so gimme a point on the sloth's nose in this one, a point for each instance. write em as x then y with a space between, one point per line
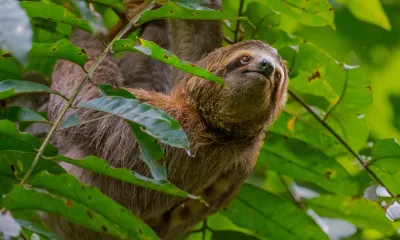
266 67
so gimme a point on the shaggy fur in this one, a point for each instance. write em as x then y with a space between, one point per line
225 126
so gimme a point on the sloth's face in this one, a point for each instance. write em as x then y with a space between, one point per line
256 82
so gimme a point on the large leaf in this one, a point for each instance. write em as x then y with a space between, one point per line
173 10
157 123
270 216
153 50
10 88
63 49
69 187
20 114
363 213
304 162
14 163
73 211
54 12
15 30
150 152
385 164
100 166
370 11
315 13
12 139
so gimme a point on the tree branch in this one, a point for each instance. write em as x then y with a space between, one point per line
339 138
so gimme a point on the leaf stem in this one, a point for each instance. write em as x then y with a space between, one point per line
339 138
79 88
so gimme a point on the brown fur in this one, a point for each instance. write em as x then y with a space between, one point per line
225 126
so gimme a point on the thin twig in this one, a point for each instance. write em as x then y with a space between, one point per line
238 21
78 89
340 139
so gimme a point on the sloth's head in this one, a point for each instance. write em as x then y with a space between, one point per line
256 81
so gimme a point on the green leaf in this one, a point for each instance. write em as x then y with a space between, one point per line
231 235
315 13
9 68
20 114
150 152
172 10
114 4
69 187
16 32
72 120
157 123
153 50
6 184
363 213
385 164
292 126
14 163
63 49
95 22
73 211
54 12
12 139
270 216
100 166
31 222
10 88
108 90
369 11
304 162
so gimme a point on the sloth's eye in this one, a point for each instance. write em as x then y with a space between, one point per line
277 75
245 60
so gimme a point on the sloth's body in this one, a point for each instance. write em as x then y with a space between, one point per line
225 126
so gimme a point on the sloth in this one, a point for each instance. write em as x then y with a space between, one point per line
225 125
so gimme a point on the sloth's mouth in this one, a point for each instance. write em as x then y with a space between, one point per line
259 73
